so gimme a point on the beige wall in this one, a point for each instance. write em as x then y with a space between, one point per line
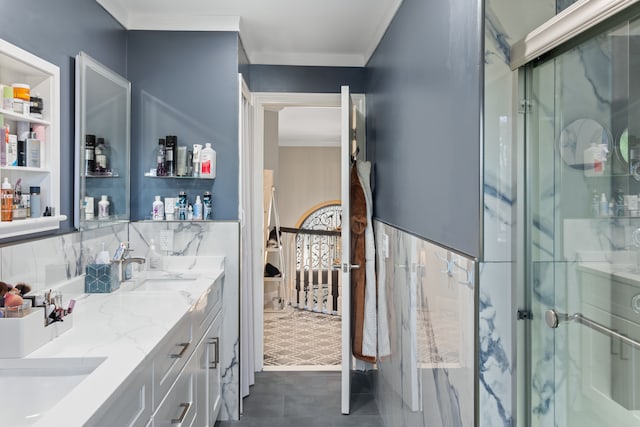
307 176
271 141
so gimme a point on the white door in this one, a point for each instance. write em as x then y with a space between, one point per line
345 158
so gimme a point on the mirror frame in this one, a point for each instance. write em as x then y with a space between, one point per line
83 64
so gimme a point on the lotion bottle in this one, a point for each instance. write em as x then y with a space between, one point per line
7 200
604 206
208 162
103 207
158 209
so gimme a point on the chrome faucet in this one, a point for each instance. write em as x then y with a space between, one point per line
122 265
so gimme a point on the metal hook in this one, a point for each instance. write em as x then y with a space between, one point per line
450 264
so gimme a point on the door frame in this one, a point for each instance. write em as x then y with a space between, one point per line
275 101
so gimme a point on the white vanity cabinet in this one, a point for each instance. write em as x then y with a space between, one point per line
178 383
20 66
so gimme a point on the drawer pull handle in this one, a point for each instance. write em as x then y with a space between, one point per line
214 363
185 346
185 408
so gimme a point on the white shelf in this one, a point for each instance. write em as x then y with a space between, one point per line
30 225
19 66
22 118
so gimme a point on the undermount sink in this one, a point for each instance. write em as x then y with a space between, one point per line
159 281
31 387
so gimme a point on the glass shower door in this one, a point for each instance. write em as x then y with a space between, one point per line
583 231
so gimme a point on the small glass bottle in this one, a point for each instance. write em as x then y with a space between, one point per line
89 154
171 143
161 159
101 156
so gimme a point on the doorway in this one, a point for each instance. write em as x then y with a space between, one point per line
302 150
264 103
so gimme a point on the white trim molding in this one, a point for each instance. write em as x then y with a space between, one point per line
571 22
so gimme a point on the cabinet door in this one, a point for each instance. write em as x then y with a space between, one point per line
132 406
179 406
214 389
201 357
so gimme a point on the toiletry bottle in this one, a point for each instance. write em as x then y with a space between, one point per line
169 208
161 159
101 156
103 207
7 200
22 152
12 150
208 162
5 144
36 207
158 209
154 259
190 213
207 207
181 169
171 142
197 148
595 204
182 206
88 208
197 209
89 154
619 203
33 151
604 206
189 163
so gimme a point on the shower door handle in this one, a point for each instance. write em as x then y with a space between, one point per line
554 318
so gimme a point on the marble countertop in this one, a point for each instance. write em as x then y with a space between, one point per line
123 327
626 273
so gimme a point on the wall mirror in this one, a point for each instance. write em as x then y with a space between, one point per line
102 137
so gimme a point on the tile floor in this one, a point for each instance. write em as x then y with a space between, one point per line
308 399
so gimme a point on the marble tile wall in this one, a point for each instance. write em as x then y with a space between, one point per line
200 239
506 22
429 377
43 263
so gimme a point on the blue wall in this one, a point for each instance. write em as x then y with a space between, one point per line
285 78
424 91
56 31
184 84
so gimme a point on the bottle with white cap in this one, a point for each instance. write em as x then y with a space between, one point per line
158 209
197 209
207 162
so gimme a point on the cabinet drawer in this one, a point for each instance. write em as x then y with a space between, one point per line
207 307
170 357
179 405
132 404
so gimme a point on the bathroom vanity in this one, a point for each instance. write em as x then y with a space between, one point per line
146 354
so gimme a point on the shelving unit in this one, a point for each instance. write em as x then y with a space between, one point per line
20 66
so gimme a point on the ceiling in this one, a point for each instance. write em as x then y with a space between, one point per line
280 32
309 127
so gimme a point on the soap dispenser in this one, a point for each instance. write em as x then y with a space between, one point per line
154 259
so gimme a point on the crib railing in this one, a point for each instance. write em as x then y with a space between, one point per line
314 282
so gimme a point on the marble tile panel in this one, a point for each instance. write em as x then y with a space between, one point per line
42 263
428 378
497 347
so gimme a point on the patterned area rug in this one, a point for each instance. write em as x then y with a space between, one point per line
298 337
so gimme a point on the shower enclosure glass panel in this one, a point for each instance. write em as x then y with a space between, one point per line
583 231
